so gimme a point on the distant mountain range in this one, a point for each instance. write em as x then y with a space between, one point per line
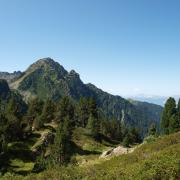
48 79
160 100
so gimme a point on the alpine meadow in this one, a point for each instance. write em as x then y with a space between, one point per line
89 90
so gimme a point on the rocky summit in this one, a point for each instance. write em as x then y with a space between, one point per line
47 79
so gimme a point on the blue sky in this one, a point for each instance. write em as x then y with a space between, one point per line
126 47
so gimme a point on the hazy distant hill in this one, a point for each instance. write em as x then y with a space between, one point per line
160 100
48 79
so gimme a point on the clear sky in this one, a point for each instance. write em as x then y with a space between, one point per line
125 47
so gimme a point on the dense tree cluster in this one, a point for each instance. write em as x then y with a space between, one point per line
11 126
17 125
170 121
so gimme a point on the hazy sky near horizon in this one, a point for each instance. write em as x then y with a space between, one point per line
125 47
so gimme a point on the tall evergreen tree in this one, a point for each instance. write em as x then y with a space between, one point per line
178 115
126 141
94 120
134 135
61 147
94 126
168 112
83 111
93 109
65 109
152 130
48 111
34 113
3 130
13 114
173 123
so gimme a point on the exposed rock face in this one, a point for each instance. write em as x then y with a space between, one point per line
45 139
9 77
120 150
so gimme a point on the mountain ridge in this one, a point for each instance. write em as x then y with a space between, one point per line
48 79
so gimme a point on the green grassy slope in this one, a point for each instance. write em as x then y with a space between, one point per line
155 160
85 149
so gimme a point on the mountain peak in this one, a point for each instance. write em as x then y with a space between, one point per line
44 62
47 64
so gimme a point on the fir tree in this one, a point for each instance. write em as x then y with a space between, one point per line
34 113
83 111
92 106
152 130
66 109
61 147
48 111
168 112
94 126
134 136
178 115
173 124
126 140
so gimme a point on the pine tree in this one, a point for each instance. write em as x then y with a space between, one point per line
83 111
66 109
152 130
48 111
173 124
168 112
3 132
134 135
92 106
61 148
126 140
13 115
94 126
178 115
34 113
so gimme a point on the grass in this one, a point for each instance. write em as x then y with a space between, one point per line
155 160
21 167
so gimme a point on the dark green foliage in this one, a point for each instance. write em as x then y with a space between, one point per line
94 126
35 107
173 124
34 113
61 147
134 135
65 109
178 115
14 116
170 117
83 111
4 89
48 111
3 130
127 140
112 128
93 121
152 130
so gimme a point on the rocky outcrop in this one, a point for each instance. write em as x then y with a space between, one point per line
9 77
120 150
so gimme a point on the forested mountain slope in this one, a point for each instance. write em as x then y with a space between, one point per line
48 79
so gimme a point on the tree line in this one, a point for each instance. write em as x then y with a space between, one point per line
170 122
16 124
